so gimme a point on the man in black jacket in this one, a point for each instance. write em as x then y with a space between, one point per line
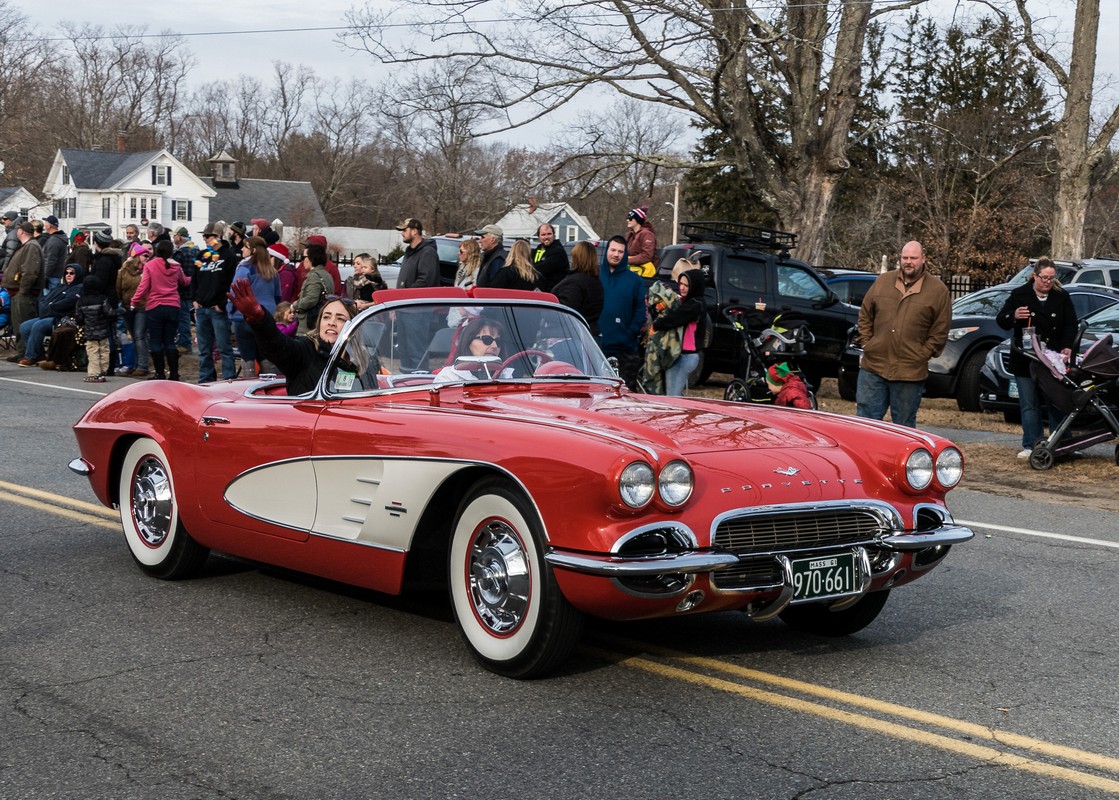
213 274
55 248
419 269
549 257
490 239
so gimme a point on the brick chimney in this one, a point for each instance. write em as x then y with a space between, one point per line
122 142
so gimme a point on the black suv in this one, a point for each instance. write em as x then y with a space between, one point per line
745 265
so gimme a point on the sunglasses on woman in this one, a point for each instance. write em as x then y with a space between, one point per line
487 340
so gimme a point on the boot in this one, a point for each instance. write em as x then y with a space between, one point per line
157 361
172 363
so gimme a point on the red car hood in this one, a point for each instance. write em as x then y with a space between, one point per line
686 426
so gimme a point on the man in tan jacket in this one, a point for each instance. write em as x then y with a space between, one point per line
903 322
23 278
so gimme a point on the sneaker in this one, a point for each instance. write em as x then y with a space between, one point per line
124 371
94 378
14 359
27 362
1024 452
137 373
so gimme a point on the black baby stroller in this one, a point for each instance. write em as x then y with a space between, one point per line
767 339
1086 394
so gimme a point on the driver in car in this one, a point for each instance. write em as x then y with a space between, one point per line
477 353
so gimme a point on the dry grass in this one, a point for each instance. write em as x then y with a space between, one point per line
992 467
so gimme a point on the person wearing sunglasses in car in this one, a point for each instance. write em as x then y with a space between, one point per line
477 353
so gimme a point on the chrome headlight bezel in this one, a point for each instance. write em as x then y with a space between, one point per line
919 469
637 484
675 483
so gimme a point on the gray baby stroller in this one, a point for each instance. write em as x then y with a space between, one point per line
1087 394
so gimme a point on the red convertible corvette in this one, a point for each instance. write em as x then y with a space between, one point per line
485 440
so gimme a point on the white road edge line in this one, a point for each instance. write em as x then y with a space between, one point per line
1042 534
52 386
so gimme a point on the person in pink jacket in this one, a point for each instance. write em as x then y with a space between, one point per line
159 291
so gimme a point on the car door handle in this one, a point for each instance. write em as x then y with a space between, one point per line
215 421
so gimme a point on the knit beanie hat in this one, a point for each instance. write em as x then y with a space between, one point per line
640 214
778 374
103 238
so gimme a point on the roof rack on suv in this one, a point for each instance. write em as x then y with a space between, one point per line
736 234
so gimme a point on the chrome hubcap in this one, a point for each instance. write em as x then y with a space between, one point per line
152 502
500 582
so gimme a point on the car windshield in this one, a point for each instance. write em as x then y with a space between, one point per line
1106 320
984 303
415 344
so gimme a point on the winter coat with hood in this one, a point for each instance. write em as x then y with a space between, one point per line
623 308
690 315
63 299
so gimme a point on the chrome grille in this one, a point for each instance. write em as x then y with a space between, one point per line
1004 357
798 530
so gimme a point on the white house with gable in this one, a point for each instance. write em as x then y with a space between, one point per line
523 220
90 187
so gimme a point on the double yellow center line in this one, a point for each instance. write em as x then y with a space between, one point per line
887 719
77 510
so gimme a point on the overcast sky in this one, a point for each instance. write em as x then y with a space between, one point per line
295 41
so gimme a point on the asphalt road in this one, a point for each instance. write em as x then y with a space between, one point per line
993 677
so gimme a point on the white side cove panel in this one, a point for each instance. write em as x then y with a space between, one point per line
376 501
282 493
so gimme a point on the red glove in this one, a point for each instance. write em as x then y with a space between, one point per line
241 293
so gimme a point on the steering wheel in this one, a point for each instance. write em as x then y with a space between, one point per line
544 356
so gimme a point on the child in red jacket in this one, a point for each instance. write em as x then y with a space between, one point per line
788 386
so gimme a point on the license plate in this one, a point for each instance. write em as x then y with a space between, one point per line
823 576
1012 389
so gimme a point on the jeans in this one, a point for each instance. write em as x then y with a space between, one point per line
246 344
676 378
33 331
874 394
183 339
1031 401
163 324
137 324
213 330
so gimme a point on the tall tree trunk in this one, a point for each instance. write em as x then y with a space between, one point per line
1076 156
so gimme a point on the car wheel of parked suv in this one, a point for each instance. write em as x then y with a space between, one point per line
967 385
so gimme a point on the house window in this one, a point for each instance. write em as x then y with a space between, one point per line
65 175
132 208
144 208
181 210
226 170
106 208
571 233
66 208
161 175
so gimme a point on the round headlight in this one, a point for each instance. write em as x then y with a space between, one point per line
949 467
675 483
919 469
636 484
